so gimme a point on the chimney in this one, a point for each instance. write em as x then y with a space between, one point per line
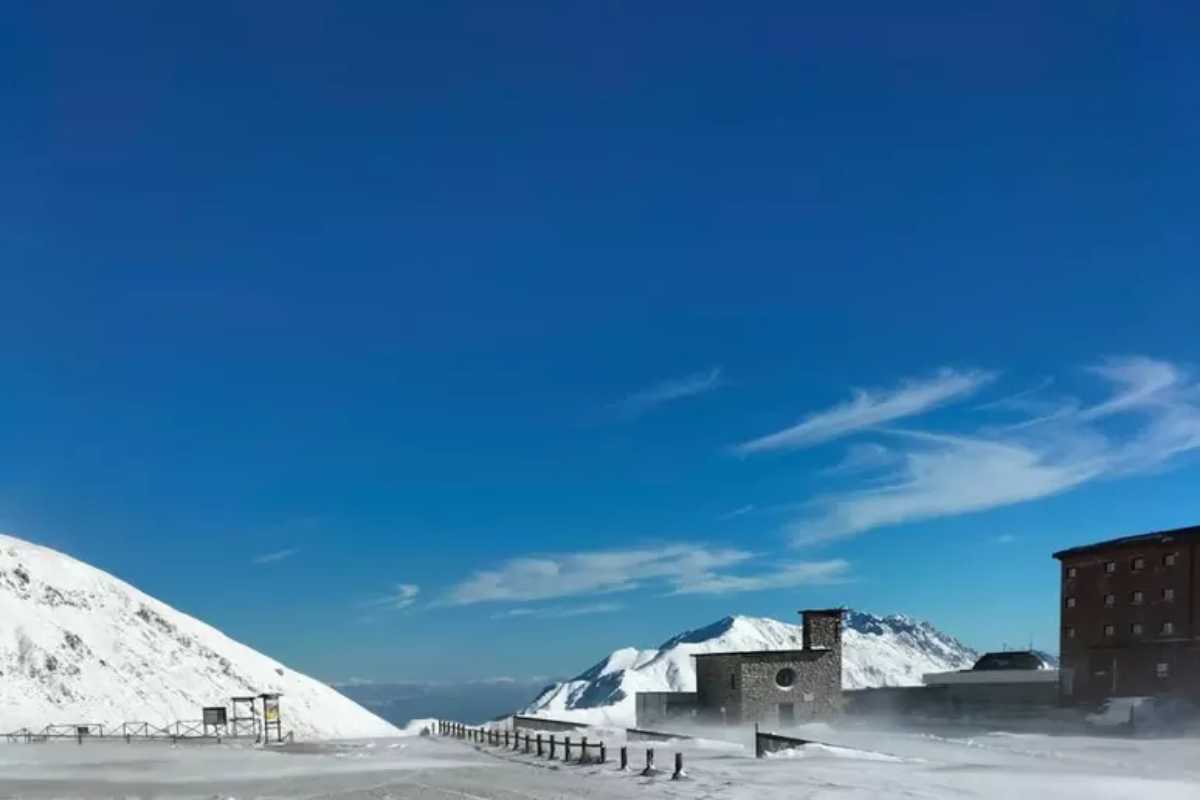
822 628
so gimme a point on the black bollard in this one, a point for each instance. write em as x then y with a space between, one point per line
649 770
624 758
679 773
603 753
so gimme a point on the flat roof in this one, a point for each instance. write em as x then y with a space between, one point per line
1127 541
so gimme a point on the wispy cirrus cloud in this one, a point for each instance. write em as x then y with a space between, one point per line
278 555
651 397
870 409
1150 416
786 576
668 569
403 595
559 612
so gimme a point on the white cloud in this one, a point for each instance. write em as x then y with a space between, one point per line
559 612
587 573
740 511
403 596
278 555
787 576
862 457
1152 415
870 409
673 569
651 397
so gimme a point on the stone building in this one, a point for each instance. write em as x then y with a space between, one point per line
775 687
1129 608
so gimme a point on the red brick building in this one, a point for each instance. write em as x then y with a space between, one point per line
1129 617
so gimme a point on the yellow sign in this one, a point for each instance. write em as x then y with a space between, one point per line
272 714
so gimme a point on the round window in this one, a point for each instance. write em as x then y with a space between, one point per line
785 677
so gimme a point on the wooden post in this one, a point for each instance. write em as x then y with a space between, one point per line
679 773
539 745
649 770
506 739
624 757
583 756
566 748
552 747
603 753
516 740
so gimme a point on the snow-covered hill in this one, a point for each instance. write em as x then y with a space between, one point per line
78 645
876 651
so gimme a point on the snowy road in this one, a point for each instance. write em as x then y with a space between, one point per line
866 764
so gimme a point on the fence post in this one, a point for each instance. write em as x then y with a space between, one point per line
679 773
603 753
552 747
624 757
649 770
506 739
516 740
583 756
539 745
566 749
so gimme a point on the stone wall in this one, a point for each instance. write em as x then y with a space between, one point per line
718 687
815 691
745 687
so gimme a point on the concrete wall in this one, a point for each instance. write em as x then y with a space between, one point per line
658 708
954 701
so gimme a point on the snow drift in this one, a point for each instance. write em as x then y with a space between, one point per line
876 651
78 645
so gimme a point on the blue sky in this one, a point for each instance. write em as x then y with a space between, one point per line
460 341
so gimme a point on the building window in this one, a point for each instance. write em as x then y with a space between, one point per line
1169 595
1072 572
1110 630
1110 600
1137 564
1070 633
1070 602
1136 629
1162 669
1169 559
1137 598
785 677
1110 567
1168 628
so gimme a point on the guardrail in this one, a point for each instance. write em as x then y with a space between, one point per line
183 730
546 724
578 751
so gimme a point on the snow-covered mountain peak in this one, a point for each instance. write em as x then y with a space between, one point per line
79 645
895 650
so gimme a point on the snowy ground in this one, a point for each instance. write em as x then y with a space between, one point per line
864 764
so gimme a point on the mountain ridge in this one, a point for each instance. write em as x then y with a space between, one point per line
78 645
892 650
